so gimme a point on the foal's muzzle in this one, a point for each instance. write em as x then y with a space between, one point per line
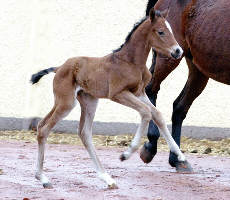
177 52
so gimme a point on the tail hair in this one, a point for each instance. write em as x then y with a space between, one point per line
36 77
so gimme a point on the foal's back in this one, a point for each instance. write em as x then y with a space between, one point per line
102 77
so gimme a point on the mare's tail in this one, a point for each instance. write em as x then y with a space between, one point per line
36 77
151 4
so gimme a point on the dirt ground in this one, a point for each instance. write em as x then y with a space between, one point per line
72 173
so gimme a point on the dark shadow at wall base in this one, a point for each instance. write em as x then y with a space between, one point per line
111 128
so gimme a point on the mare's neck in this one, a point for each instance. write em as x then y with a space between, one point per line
137 49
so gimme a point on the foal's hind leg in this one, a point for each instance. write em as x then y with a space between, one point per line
88 109
64 102
57 113
41 138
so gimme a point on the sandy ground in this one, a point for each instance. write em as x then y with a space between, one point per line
188 145
73 176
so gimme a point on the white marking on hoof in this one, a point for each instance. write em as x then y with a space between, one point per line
108 179
181 157
47 185
113 186
45 181
125 156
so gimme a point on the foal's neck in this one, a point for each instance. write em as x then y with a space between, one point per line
136 50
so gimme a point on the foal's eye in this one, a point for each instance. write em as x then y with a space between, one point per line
161 33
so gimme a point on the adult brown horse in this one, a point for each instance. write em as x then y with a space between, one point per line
202 28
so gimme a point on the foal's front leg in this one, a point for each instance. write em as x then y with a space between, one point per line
88 109
147 112
161 67
159 120
128 99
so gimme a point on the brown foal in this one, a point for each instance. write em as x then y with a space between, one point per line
121 77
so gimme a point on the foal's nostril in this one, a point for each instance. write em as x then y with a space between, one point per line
177 51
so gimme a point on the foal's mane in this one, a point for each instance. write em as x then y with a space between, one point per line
136 25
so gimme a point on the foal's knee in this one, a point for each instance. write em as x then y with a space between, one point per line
158 119
146 114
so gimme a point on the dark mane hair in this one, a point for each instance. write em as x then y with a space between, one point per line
136 25
151 4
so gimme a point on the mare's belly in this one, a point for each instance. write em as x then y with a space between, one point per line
218 70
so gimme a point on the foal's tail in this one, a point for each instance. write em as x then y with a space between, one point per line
36 77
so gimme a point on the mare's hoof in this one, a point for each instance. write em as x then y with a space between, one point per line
47 185
145 155
112 186
123 157
184 167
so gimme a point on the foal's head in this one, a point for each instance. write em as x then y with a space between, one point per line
161 37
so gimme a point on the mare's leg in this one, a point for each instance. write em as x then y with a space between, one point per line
88 109
64 102
160 69
193 88
147 112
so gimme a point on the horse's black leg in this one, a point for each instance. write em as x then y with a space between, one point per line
149 149
160 69
193 88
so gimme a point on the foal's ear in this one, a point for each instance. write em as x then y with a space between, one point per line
152 14
165 13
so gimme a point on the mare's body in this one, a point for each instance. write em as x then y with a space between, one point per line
202 28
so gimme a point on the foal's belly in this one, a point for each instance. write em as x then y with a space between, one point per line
96 85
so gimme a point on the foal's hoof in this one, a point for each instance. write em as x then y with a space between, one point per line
47 185
145 155
112 186
184 167
123 157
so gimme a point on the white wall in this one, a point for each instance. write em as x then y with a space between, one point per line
37 34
